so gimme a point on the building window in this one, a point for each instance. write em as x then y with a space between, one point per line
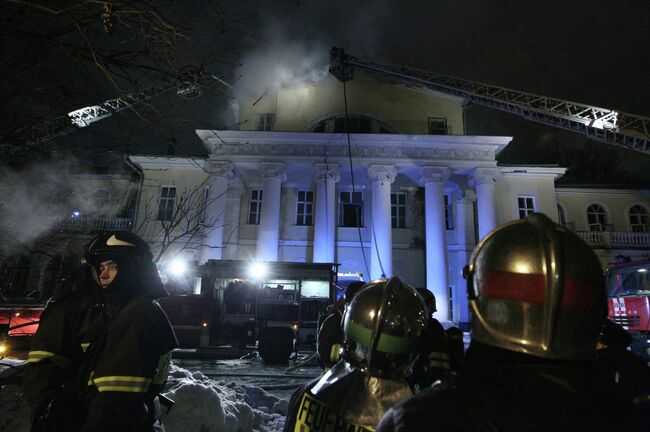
526 206
255 207
449 217
350 209
437 126
357 123
304 208
561 215
398 209
639 219
264 122
205 195
596 217
166 203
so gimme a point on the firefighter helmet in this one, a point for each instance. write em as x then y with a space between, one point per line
382 326
429 299
116 246
535 287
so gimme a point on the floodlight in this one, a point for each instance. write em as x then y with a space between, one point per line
257 270
177 267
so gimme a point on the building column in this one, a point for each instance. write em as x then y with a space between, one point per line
466 241
268 231
433 179
484 179
381 242
220 173
231 233
326 177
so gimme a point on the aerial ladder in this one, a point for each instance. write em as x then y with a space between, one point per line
187 87
612 127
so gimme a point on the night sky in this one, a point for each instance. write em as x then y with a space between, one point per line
594 52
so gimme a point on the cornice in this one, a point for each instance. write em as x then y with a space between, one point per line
333 145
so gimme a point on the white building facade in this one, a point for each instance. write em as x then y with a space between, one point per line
407 194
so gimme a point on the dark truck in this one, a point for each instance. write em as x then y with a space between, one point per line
272 305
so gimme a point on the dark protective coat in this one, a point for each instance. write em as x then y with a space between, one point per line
99 358
329 339
343 399
434 358
505 391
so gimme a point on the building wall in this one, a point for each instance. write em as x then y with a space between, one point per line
405 110
617 203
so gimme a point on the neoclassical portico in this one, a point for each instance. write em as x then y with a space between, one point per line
282 163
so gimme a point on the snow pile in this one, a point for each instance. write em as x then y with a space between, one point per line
205 405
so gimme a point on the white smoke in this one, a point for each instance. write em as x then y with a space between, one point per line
279 61
35 200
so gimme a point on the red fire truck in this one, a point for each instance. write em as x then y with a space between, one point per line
242 304
628 292
17 323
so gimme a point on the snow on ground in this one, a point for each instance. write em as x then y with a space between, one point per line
206 405
202 405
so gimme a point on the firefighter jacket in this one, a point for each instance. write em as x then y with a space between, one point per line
343 399
506 391
329 339
99 359
434 359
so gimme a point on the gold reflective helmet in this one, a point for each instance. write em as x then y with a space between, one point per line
535 287
382 327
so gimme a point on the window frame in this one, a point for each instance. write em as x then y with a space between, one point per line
259 201
306 217
341 209
203 209
444 129
524 212
168 209
604 225
395 218
561 209
448 212
645 215
265 122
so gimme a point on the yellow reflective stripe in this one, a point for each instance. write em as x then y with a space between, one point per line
36 356
335 352
125 389
121 378
121 383
84 346
162 371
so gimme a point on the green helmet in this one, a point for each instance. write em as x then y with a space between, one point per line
382 327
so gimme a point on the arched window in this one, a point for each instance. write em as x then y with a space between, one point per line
639 219
14 272
596 218
357 123
561 215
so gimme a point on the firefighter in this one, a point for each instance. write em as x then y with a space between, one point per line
330 331
434 360
629 371
538 304
382 326
101 354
